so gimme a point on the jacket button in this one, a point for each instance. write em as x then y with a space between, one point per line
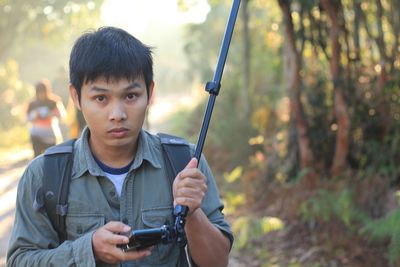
49 195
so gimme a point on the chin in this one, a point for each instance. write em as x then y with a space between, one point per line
123 142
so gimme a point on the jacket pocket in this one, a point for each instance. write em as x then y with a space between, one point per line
82 223
162 254
156 217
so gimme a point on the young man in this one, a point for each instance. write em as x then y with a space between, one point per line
119 179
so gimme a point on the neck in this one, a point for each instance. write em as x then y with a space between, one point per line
116 157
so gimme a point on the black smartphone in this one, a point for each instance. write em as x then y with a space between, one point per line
144 238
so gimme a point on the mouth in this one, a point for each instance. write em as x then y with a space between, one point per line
118 132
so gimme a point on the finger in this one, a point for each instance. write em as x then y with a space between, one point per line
117 227
192 164
136 254
118 239
114 255
192 173
190 169
194 183
105 236
103 247
192 192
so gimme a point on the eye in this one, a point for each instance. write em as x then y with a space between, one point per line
131 96
100 98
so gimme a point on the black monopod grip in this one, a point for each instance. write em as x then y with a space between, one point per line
144 238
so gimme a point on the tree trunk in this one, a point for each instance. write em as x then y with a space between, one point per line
333 9
382 76
395 21
356 30
294 80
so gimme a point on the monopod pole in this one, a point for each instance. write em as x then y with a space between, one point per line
213 88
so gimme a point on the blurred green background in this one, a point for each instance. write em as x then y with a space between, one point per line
305 135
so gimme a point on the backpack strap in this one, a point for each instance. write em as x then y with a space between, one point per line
177 155
176 152
58 161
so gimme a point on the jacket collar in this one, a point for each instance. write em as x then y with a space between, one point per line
148 150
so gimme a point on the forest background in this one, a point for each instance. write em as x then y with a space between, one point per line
305 136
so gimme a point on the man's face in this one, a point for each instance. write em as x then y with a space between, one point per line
114 110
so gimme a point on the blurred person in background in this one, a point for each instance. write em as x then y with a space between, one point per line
44 113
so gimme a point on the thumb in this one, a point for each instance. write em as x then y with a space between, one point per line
192 164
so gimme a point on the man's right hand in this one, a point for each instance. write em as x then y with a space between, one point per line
105 241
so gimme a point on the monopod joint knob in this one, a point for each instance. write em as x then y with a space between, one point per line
213 87
181 210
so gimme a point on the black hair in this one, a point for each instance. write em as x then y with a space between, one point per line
43 86
112 53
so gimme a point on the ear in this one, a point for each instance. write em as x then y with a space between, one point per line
74 96
150 92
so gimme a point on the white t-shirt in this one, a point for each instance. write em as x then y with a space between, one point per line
117 180
115 175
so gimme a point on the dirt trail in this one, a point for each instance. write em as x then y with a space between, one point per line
12 165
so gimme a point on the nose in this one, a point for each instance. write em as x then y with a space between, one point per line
117 112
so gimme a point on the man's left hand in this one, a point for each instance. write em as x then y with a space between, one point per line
190 187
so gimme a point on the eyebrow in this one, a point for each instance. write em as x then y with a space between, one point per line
133 85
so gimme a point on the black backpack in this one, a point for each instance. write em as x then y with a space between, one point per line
57 174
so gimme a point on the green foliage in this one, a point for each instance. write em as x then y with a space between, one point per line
202 49
386 228
14 94
248 228
368 77
327 205
41 19
234 175
228 120
232 201
230 123
374 132
180 124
